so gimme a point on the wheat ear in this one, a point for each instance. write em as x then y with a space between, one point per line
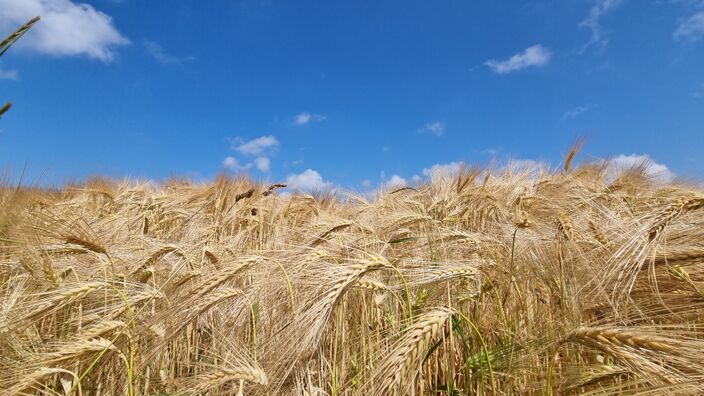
674 210
223 375
401 365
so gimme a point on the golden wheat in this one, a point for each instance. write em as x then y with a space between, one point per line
483 282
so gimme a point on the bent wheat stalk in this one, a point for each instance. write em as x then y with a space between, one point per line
674 210
396 373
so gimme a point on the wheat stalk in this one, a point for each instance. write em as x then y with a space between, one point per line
223 276
610 338
395 372
672 211
223 375
52 302
78 349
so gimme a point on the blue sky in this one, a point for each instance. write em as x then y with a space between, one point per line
347 93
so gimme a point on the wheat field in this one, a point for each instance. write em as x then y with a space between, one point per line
485 282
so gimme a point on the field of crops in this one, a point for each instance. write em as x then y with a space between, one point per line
484 282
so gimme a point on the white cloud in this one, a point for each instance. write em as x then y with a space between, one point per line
301 119
448 169
577 111
433 128
9 75
395 181
233 164
622 162
691 28
262 163
535 56
66 28
229 162
309 180
258 146
160 55
305 118
593 22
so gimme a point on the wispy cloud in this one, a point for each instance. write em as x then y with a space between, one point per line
691 29
9 75
395 181
577 111
599 9
162 56
447 169
305 118
234 165
66 28
256 147
535 56
262 163
308 180
490 151
433 128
